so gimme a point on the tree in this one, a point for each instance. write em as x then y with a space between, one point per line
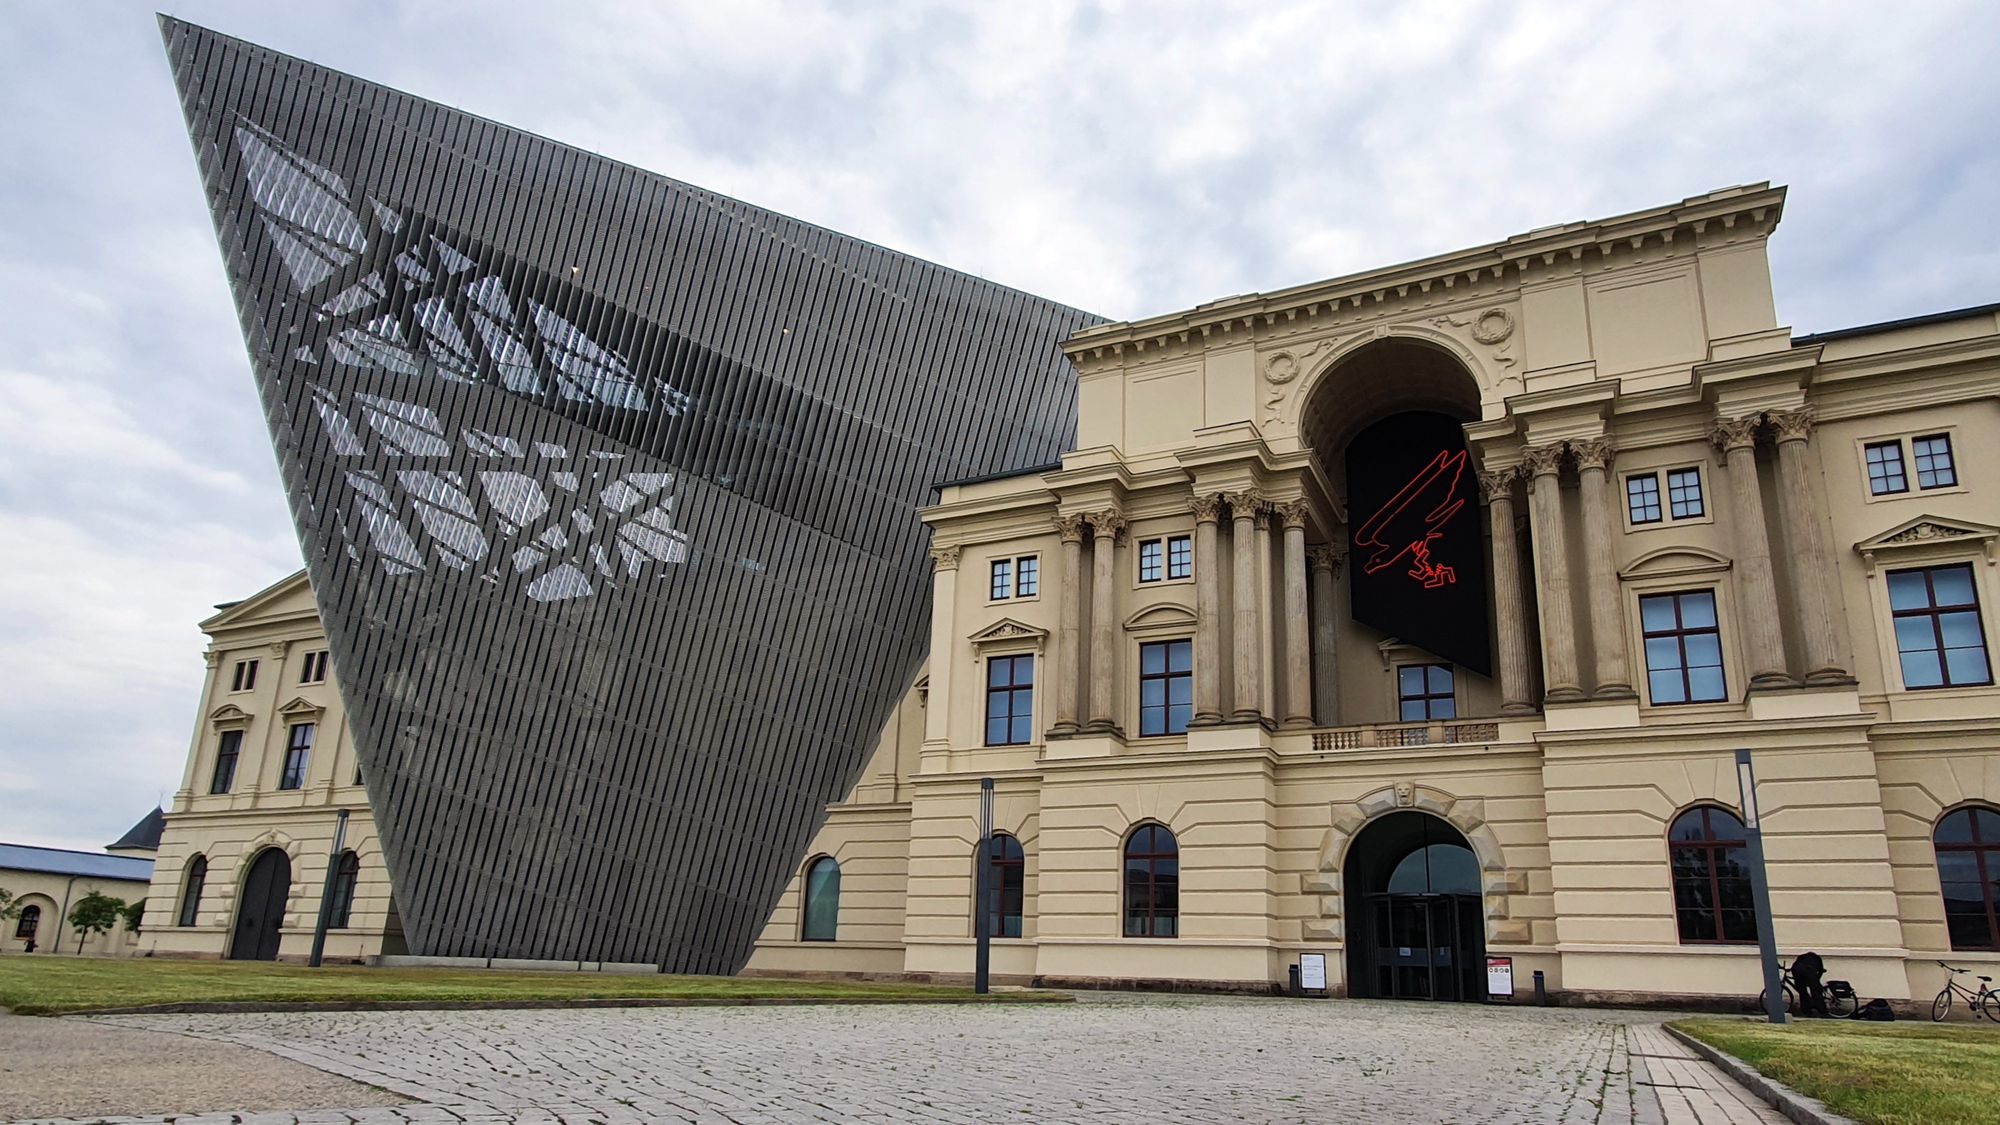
94 913
9 908
134 911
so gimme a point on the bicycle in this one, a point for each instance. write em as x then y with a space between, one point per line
1985 1002
1841 999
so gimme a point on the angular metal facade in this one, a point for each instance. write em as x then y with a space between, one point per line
607 486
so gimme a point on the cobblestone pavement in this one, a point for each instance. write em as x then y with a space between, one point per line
1102 1059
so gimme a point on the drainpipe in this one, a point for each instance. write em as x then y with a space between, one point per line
63 914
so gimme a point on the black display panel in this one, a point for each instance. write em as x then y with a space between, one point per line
1418 565
607 487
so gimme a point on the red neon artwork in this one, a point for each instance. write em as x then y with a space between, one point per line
1396 535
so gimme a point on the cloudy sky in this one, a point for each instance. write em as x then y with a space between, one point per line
1129 159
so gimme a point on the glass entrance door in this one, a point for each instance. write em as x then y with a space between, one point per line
1423 947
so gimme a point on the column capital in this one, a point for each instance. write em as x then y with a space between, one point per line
1107 524
1497 483
1793 425
211 657
1593 453
1293 513
944 558
1207 507
1069 529
1736 433
1326 556
1243 505
1542 460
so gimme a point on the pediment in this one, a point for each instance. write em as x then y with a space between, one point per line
1162 617
229 715
301 708
1669 562
1008 629
1925 531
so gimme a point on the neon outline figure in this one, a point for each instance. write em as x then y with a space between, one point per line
1415 542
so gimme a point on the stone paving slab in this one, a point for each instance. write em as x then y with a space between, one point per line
1116 1058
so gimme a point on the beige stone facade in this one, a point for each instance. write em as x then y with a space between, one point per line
247 794
1582 360
47 882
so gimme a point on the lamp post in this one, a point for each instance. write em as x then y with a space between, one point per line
982 911
1760 888
326 890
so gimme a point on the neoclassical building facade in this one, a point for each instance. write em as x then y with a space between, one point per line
1415 617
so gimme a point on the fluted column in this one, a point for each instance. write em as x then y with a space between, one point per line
1806 551
1069 635
1545 518
1207 612
1613 678
1105 528
1245 508
1296 707
1325 559
1509 616
1757 592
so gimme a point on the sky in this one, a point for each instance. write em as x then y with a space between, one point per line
1130 159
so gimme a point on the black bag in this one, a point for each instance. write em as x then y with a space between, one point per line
1839 989
1876 1010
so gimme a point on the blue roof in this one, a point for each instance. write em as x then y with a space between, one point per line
59 861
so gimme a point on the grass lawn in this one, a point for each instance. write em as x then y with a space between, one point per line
38 985
1880 1074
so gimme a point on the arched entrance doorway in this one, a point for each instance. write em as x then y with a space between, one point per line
261 910
1417 930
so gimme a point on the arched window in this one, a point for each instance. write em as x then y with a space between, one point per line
345 874
29 922
1005 868
197 878
822 899
1152 882
1968 859
1712 903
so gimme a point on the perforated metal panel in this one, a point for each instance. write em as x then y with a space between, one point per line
607 486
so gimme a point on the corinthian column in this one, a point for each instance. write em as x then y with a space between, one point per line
1069 634
1552 574
1763 638
1509 620
1607 621
944 601
1806 550
1325 559
1245 509
1207 612
1297 704
1105 528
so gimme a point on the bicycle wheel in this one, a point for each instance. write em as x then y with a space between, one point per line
1990 1005
1841 1007
1791 1000
1941 1007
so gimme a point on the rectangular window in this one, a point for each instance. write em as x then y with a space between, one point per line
1151 554
1933 457
313 670
1939 637
245 676
226 752
1003 579
1180 556
1027 576
1642 497
1885 468
1010 700
1684 493
1683 648
1166 687
298 750
1424 692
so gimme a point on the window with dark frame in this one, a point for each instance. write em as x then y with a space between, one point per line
1010 700
1940 638
1152 882
244 678
28 923
1885 468
1684 494
197 881
1180 557
822 911
1967 841
1642 497
312 670
1003 579
1932 455
1027 576
227 749
1706 848
1006 870
1166 687
1683 641
1424 692
345 875
1152 555
298 751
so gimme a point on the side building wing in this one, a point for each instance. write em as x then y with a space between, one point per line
607 486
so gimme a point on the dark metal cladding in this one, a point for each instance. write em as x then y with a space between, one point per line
607 486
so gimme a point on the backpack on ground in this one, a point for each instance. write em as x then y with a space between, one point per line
1877 1010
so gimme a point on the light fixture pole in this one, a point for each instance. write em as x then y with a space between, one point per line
1760 889
982 881
326 890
